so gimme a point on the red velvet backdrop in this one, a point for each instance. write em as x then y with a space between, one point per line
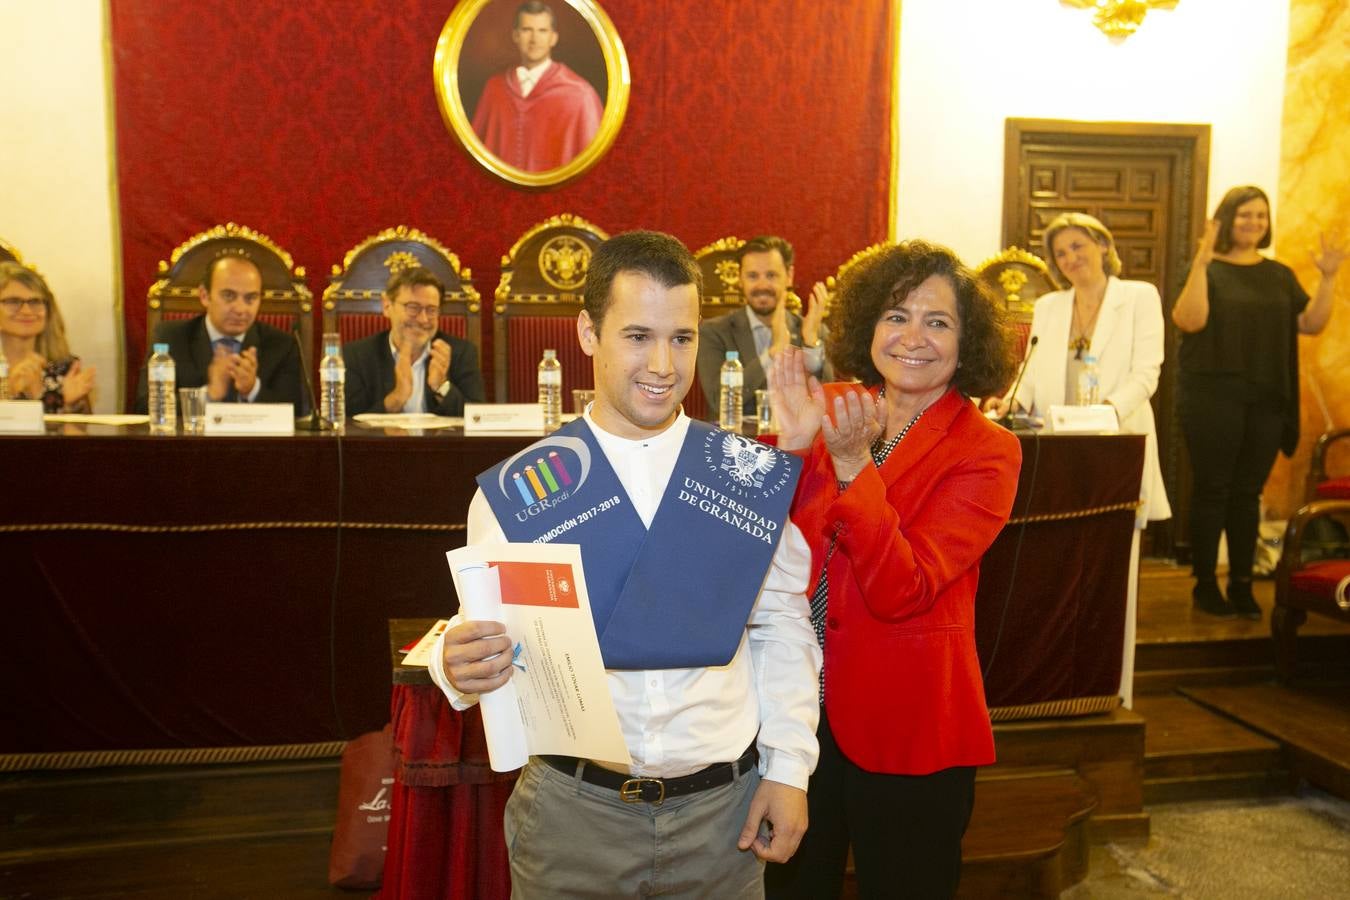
317 124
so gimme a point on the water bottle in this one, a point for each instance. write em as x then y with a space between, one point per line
729 400
4 377
1089 383
163 392
333 383
550 389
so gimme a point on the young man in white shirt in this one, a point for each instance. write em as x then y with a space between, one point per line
699 816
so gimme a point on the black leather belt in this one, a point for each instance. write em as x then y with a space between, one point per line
636 789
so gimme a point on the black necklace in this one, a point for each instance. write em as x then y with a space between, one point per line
882 450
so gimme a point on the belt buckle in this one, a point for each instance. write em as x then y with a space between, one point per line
631 791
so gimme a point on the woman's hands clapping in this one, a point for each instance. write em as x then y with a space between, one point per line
798 399
859 419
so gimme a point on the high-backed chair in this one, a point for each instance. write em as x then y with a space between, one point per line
352 301
1019 278
536 306
9 253
286 302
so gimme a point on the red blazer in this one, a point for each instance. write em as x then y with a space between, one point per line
903 688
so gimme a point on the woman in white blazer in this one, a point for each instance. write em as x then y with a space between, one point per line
1121 324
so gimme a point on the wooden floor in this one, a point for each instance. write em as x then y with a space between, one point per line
1215 724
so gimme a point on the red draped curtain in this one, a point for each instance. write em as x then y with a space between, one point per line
317 124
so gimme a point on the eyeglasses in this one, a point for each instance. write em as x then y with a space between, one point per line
417 312
13 305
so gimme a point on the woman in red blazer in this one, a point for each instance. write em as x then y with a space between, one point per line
905 486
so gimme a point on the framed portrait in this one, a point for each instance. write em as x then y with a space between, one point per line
534 90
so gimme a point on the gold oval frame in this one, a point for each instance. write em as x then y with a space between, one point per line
445 71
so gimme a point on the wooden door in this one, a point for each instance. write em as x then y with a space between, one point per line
1147 183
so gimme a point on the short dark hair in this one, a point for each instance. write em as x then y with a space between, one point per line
534 8
766 243
413 276
883 281
659 256
233 253
1227 214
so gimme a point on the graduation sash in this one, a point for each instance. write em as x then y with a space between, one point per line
677 594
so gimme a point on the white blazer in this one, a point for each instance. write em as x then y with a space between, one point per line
1128 343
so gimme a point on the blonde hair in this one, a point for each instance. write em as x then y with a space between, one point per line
1090 226
52 342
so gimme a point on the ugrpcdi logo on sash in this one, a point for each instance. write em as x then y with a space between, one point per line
544 475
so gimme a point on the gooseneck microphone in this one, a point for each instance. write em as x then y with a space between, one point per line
313 421
1007 420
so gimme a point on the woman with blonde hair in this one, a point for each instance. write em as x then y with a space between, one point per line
33 342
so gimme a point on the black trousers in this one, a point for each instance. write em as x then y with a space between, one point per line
1232 444
905 831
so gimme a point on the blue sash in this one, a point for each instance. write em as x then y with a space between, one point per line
676 595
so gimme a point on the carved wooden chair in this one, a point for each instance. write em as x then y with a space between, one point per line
286 302
352 301
1019 277
536 305
1308 581
9 253
1321 482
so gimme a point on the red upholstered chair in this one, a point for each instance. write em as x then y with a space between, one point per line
286 300
1321 483
1019 278
536 305
352 301
1320 583
9 253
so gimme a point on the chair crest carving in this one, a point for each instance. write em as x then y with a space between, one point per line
549 262
356 286
1019 277
10 253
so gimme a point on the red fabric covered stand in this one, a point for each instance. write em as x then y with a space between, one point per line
445 830
1335 489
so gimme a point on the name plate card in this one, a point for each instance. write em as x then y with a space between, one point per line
1095 419
250 418
21 417
503 418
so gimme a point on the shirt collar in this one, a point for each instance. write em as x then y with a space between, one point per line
613 443
215 334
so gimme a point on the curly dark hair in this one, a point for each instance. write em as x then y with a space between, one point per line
884 280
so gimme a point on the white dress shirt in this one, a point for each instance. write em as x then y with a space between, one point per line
417 400
677 721
529 76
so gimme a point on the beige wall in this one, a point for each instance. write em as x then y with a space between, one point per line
967 65
55 196
1314 193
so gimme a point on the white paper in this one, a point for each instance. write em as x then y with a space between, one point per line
424 421
119 419
250 418
557 700
21 417
420 654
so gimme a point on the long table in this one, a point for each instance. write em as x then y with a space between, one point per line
235 592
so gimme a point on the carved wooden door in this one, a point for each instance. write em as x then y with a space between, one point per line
1147 184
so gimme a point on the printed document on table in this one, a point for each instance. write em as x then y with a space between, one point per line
557 700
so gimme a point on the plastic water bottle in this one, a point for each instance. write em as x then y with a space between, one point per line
550 389
1089 383
729 399
333 383
4 377
163 392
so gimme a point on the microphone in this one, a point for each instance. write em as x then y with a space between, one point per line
1007 420
313 421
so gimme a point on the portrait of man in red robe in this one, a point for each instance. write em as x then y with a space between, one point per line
539 114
